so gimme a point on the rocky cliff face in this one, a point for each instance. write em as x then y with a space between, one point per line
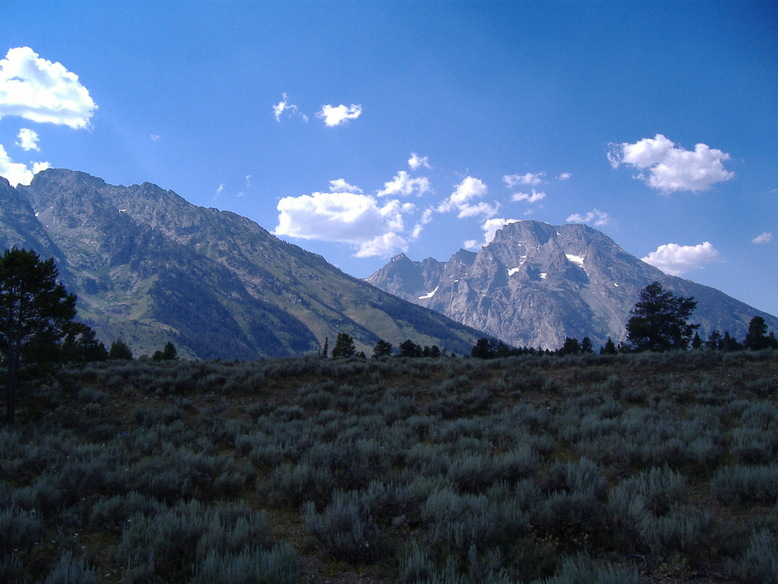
150 267
536 284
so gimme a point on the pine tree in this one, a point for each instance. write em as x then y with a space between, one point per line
168 353
382 349
757 337
658 321
344 346
34 312
119 350
609 348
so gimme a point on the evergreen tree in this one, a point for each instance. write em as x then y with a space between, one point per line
410 349
696 341
714 340
757 337
344 346
81 345
34 312
658 321
326 349
484 349
730 343
168 353
382 349
586 345
569 347
609 348
119 350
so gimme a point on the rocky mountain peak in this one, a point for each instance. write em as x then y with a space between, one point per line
537 283
149 267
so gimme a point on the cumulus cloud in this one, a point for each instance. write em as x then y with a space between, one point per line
340 114
460 200
154 137
16 172
402 184
565 176
530 178
676 259
490 227
41 91
360 220
532 197
340 185
28 140
594 217
415 162
667 167
284 107
765 237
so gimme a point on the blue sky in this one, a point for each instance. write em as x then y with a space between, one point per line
359 130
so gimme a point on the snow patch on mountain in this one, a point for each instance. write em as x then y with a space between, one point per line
576 259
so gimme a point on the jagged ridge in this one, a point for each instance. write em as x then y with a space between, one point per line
150 267
536 284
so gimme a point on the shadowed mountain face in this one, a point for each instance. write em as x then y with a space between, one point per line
150 267
536 284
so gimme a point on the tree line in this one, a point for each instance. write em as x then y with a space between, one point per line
38 329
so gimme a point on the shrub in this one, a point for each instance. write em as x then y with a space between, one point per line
70 570
346 528
18 529
581 569
746 484
278 565
759 562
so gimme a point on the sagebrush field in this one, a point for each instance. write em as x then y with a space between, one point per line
534 469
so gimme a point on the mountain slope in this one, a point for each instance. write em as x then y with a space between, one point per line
536 283
150 267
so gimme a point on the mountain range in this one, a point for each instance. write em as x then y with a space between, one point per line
536 284
148 267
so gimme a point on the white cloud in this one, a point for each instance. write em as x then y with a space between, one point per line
415 162
460 200
290 109
565 176
595 217
532 197
346 217
490 227
340 185
668 167
340 114
16 172
676 259
39 166
41 91
765 237
219 189
28 140
403 184
530 178
478 209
